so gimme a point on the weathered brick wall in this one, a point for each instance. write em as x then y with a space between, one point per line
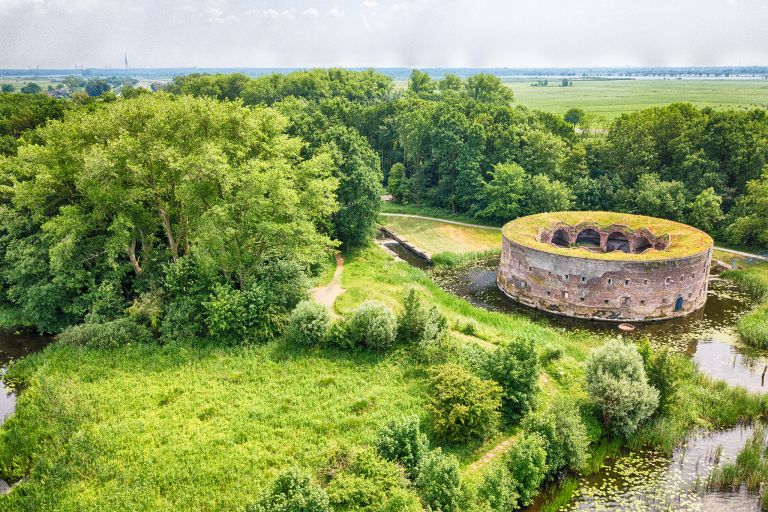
604 289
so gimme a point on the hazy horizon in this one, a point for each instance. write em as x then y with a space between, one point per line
379 33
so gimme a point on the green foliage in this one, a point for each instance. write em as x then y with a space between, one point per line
397 183
749 226
504 194
373 326
515 367
464 407
361 481
565 436
574 116
97 87
487 88
116 333
706 213
498 488
292 491
412 319
439 482
526 463
308 324
31 88
753 327
618 385
750 467
663 370
7 88
403 442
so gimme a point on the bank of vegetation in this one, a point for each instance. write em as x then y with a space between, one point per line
170 240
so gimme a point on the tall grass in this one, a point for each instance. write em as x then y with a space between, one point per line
753 327
450 259
750 467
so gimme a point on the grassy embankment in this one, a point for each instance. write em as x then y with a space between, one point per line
448 244
753 326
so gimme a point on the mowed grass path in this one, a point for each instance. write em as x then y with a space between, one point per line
610 98
437 237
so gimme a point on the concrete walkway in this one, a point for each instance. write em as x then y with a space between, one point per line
326 295
732 251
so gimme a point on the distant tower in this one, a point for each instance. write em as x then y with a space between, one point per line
125 57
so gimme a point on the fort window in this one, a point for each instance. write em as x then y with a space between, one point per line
565 295
626 282
610 280
617 241
530 269
560 238
667 280
642 244
625 301
693 274
645 281
549 293
565 277
690 294
583 279
588 238
605 301
664 300
642 302
682 278
581 299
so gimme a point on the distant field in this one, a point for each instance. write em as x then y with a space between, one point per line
610 98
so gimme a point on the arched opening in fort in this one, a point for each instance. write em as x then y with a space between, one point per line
642 244
617 241
588 238
560 238
679 303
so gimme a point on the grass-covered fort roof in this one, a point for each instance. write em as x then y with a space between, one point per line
683 241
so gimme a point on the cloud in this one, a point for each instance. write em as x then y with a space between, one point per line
274 14
370 3
335 12
310 13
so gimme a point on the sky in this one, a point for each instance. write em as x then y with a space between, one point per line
382 33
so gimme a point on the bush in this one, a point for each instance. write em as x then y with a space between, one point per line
362 481
464 407
411 320
618 385
663 371
516 368
337 335
498 489
372 325
292 491
116 333
402 442
435 328
439 483
753 327
307 324
526 463
565 436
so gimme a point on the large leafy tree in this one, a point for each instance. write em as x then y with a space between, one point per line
114 194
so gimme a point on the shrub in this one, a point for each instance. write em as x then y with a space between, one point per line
403 442
464 407
498 489
337 334
516 368
526 463
663 370
411 320
307 324
362 481
372 325
618 385
436 327
116 333
292 491
550 354
564 434
439 483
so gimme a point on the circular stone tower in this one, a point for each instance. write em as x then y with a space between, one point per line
605 265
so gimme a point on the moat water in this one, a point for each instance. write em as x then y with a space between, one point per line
14 345
648 481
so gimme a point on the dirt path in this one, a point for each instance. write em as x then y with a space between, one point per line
492 454
326 295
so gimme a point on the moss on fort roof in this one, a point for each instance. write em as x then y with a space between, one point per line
685 240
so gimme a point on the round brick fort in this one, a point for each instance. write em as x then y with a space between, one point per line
605 265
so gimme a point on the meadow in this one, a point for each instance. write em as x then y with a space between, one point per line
607 99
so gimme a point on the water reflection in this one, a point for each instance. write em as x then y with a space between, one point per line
650 481
14 346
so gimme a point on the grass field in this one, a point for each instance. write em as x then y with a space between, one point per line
607 99
436 237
